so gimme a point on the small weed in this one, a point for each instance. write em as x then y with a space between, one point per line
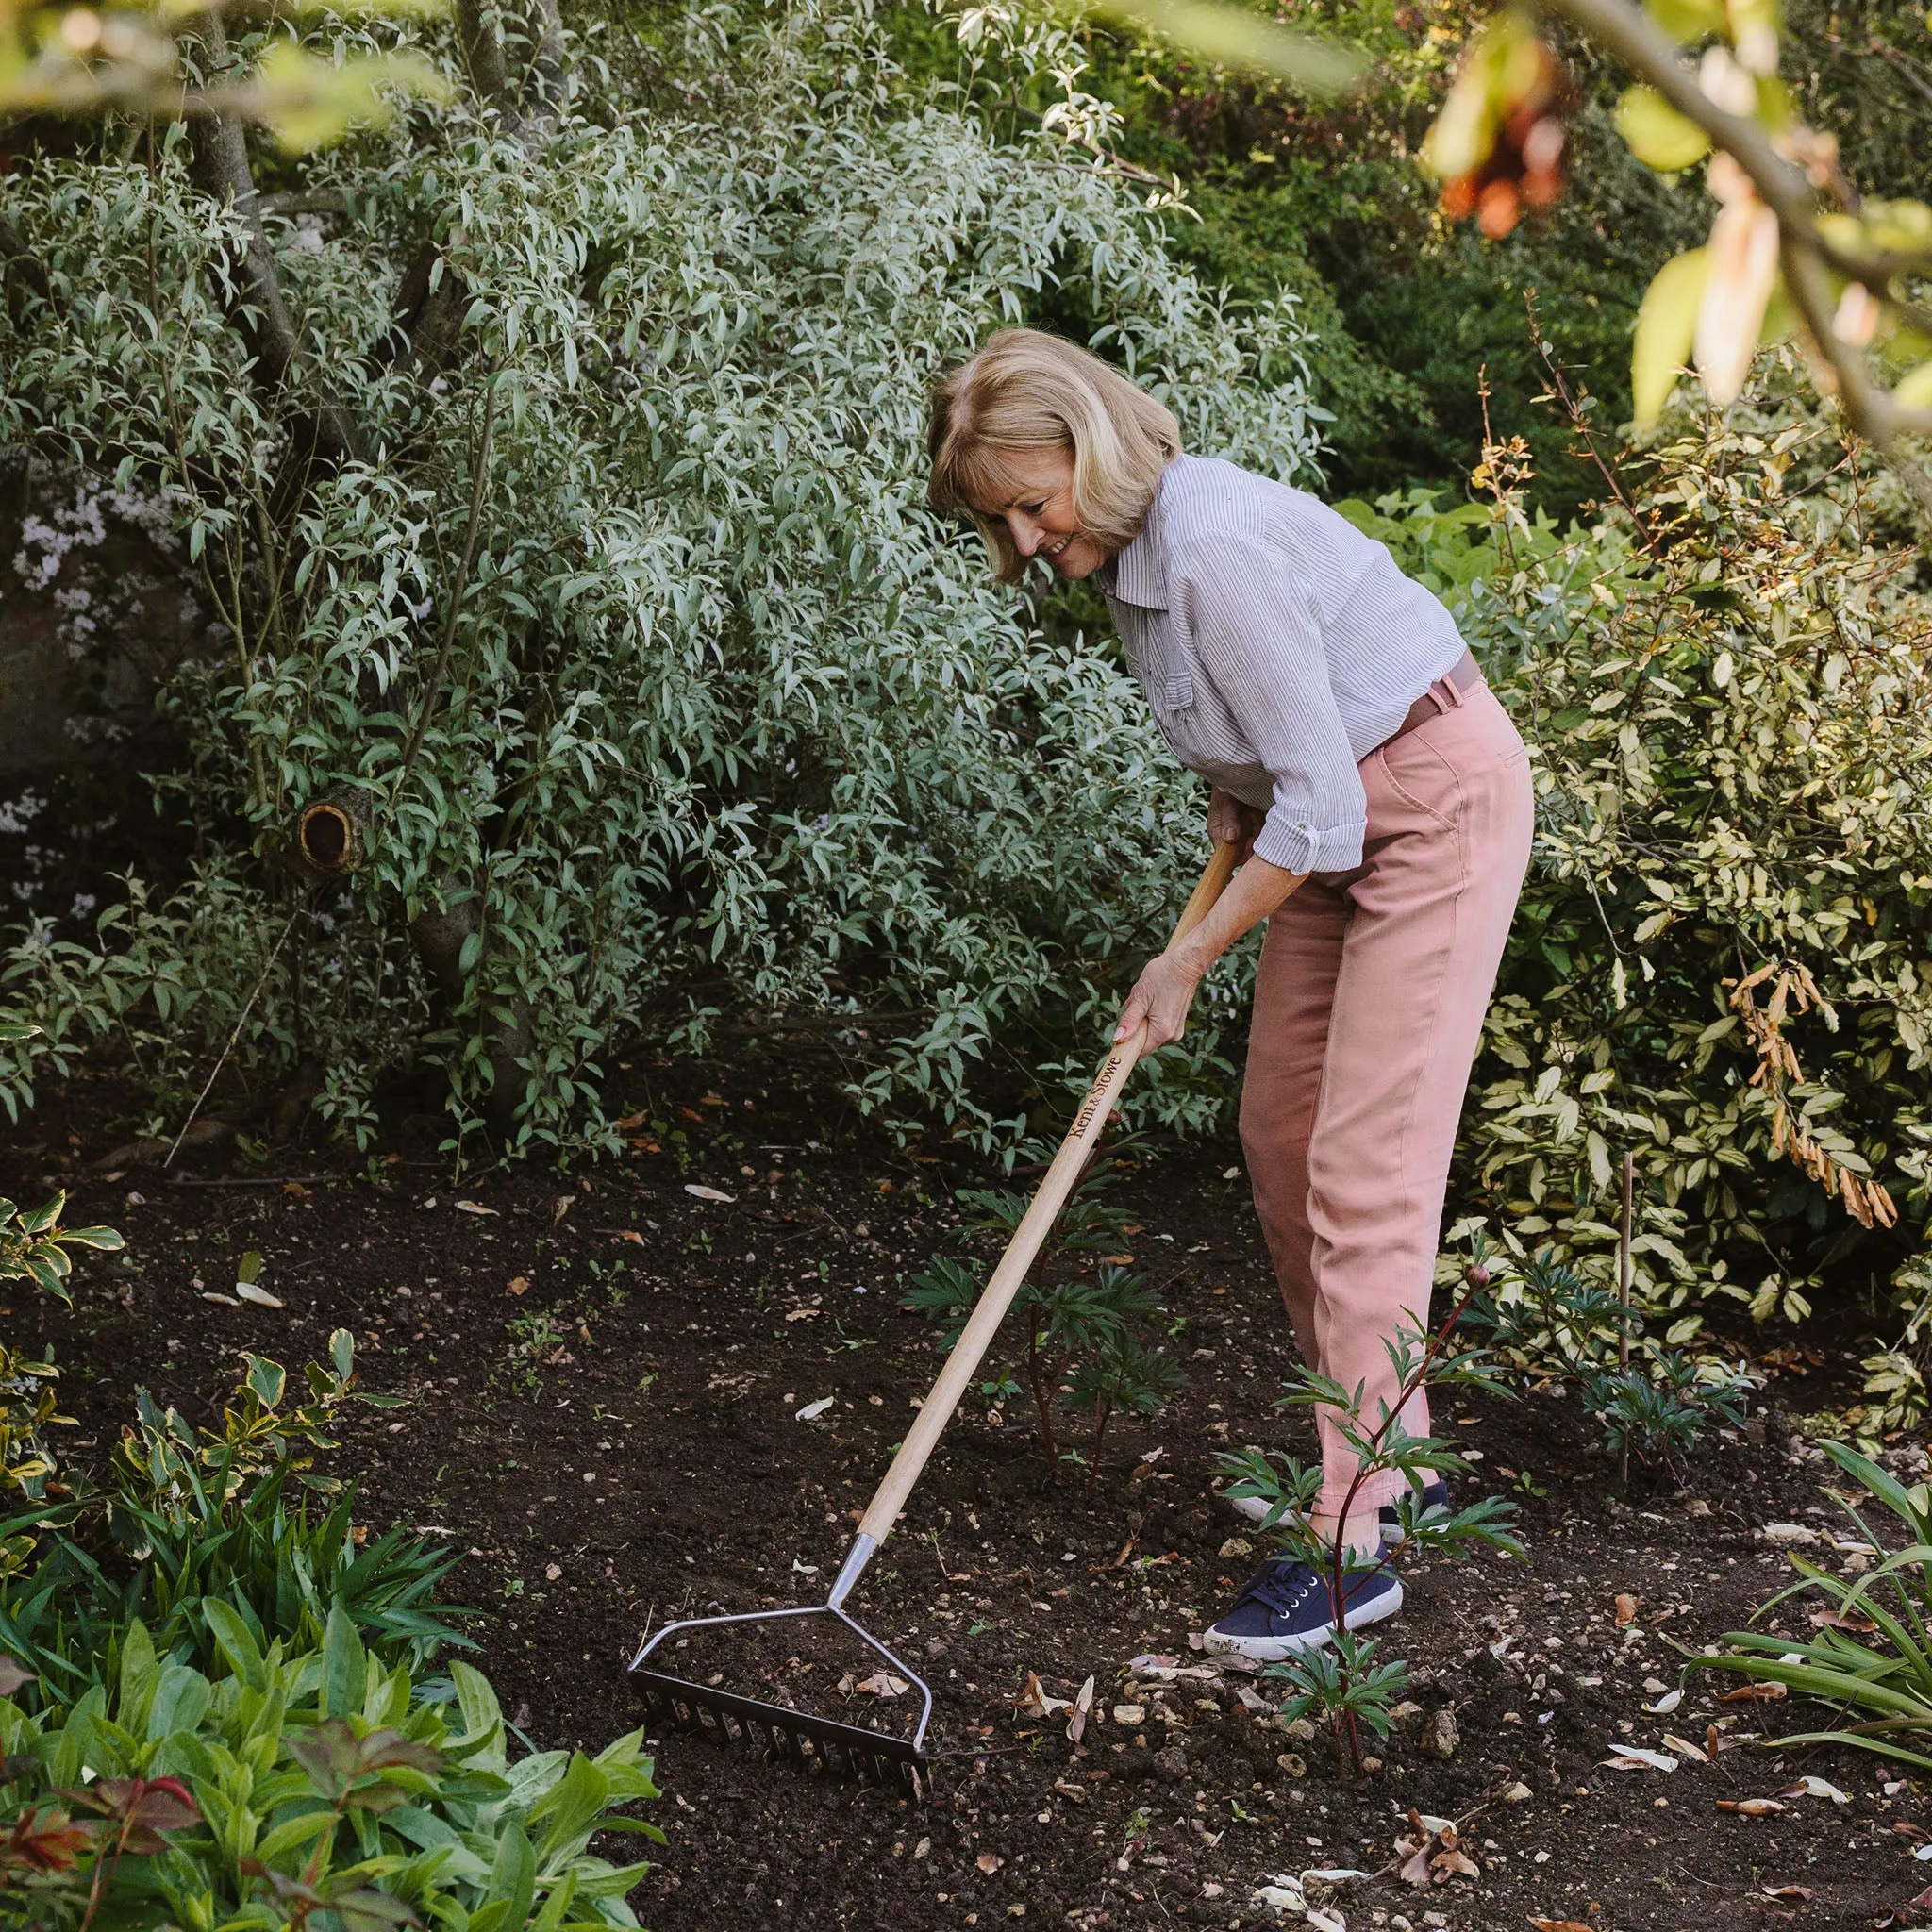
540 1341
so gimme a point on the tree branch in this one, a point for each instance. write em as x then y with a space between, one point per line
1630 34
221 170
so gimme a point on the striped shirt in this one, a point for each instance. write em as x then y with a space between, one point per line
1278 647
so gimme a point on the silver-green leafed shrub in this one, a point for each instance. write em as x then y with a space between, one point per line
727 720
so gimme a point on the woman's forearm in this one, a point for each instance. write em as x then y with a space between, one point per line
1252 894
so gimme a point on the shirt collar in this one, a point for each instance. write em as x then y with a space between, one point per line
1138 574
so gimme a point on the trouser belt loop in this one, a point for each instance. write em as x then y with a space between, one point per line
1463 675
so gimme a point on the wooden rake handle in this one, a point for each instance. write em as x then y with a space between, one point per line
997 1297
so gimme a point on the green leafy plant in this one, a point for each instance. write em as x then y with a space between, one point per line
33 1245
289 1784
1883 1688
1351 1683
540 1342
1545 1321
1347 1682
1659 1406
28 1407
1080 1344
190 1518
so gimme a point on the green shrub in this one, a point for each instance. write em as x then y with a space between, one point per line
1721 962
310 1780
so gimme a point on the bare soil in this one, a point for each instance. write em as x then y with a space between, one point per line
604 1371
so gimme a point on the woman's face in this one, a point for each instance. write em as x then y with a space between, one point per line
1038 511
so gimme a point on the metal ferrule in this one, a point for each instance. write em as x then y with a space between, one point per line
857 1557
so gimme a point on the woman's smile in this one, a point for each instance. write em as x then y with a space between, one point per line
1037 506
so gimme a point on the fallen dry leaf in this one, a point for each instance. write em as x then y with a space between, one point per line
700 1192
1837 1619
1083 1707
564 1204
295 1188
474 1207
1635 1758
1627 1608
1685 1748
990 1863
1561 1925
1129 1714
249 1292
1034 1700
630 1121
1718 1742
1762 1692
883 1684
1415 1867
1813 1787
1911 1913
517 1284
1430 1854
1750 1807
1797 1893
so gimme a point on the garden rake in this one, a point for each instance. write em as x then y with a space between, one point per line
857 1750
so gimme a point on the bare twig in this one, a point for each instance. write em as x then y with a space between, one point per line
1625 1263
242 1020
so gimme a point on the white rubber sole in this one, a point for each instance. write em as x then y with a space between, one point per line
1271 1650
1252 1509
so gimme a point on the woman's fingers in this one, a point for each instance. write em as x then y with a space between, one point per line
1161 998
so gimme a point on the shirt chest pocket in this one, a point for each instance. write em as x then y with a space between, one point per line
1178 689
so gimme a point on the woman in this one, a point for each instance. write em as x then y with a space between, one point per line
1381 800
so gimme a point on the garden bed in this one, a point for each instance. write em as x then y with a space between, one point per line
604 1372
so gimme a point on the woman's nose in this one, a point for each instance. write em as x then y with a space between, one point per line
1025 534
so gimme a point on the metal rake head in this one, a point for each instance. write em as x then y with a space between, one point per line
776 1731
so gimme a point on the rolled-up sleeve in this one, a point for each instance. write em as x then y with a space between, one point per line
1252 630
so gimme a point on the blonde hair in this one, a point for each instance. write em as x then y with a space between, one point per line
1028 390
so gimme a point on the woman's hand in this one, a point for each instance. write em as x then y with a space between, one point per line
1232 821
1161 997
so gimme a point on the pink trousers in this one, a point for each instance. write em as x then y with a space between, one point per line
1368 1012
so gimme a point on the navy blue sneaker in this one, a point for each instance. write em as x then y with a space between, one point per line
1285 1607
1435 1495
